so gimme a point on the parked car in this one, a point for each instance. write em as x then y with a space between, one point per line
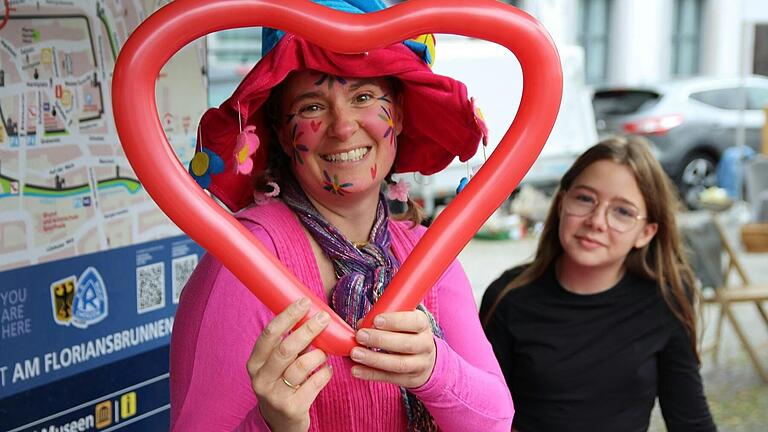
689 121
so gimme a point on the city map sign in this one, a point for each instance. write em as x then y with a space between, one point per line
90 269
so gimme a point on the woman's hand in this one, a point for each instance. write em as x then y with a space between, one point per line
407 350
285 378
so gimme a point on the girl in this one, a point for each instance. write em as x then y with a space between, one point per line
602 321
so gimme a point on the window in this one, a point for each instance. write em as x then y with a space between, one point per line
235 46
593 36
686 35
231 53
760 59
623 102
728 98
757 98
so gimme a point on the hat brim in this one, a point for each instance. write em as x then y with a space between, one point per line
438 118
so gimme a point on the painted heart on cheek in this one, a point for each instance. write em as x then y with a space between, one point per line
315 125
374 170
165 179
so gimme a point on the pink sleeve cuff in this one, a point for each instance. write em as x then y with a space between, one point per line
253 422
436 382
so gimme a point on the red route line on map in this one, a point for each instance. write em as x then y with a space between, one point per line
6 14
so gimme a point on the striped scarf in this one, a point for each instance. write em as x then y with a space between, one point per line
363 274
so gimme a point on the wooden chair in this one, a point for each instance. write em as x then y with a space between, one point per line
713 259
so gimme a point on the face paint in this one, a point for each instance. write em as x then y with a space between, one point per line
297 147
387 117
334 186
339 135
330 79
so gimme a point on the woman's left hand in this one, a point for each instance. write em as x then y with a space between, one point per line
407 346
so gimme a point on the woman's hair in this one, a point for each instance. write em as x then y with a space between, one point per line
279 163
662 260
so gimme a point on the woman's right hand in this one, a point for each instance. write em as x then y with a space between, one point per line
285 378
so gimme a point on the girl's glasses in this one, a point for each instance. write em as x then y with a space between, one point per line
621 216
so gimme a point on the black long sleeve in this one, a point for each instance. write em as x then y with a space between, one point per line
594 362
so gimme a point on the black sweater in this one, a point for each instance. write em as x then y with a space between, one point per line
594 362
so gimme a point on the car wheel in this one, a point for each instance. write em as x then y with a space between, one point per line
698 173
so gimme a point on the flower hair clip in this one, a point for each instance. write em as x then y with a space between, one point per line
398 191
265 197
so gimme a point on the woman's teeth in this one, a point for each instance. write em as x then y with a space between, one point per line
350 156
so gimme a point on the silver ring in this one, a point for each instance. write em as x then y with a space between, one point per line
293 386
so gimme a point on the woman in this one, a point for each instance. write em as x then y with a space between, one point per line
602 321
331 128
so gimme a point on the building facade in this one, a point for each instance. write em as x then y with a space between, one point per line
636 42
626 42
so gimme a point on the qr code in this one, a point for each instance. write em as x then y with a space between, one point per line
150 287
181 269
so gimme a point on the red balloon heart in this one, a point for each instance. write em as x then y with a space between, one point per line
180 22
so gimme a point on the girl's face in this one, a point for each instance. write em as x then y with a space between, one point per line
341 133
602 237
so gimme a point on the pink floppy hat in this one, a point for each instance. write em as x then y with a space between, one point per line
439 121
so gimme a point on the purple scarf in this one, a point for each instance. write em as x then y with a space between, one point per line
363 273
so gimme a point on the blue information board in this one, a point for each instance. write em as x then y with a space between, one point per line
84 341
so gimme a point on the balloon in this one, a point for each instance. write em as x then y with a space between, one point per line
180 22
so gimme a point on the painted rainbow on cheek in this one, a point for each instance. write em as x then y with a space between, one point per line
297 147
387 117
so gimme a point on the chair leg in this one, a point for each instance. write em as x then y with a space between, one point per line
745 343
760 309
718 333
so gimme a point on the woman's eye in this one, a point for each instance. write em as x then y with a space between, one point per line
310 109
585 198
364 97
624 212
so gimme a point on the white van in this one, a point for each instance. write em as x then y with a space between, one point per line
494 78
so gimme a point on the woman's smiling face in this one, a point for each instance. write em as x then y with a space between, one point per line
341 133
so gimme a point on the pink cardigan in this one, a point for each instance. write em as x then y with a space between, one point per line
219 319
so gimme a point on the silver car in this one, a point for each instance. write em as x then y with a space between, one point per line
690 122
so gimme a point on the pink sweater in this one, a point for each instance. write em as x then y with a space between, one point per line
219 319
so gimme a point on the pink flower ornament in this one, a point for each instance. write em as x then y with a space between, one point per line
398 191
247 144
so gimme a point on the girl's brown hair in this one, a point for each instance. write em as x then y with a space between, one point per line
662 260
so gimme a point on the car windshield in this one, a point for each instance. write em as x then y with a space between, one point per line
623 102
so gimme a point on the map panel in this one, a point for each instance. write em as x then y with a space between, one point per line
66 188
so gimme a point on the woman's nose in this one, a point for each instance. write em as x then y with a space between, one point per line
343 124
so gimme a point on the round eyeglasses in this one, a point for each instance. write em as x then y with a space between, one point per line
621 216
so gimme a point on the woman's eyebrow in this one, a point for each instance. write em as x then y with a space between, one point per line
361 83
589 188
594 191
626 201
307 95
